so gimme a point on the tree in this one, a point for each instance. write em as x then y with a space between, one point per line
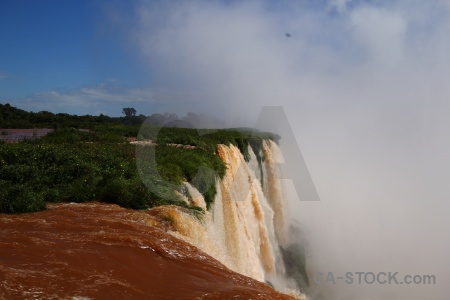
129 111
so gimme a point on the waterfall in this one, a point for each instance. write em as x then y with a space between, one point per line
245 227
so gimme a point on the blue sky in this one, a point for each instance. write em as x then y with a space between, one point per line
98 56
53 51
60 46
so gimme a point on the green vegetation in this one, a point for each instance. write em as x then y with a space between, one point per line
11 117
208 139
73 165
295 264
176 165
78 172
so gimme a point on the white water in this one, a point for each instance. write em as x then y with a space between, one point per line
245 226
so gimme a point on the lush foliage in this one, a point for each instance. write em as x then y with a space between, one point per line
11 117
208 139
70 172
177 165
74 165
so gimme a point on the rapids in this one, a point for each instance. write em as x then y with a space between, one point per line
103 251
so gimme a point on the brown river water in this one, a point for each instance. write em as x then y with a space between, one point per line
103 251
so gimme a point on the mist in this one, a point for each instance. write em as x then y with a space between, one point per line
364 87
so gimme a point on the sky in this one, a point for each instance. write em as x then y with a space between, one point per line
364 84
65 56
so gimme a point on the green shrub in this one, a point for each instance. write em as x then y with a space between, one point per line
78 166
128 193
196 211
19 198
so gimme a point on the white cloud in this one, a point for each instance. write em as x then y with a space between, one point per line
105 98
102 94
339 5
381 32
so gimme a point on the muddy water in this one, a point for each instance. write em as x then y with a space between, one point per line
102 251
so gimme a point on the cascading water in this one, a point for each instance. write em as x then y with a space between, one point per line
98 250
245 226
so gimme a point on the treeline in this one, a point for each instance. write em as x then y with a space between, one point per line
12 117
191 120
71 165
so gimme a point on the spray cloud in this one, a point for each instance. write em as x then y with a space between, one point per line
364 85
